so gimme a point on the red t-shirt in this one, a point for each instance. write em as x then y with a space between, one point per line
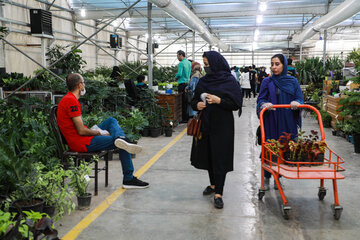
68 108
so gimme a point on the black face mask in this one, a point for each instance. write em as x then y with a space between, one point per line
208 70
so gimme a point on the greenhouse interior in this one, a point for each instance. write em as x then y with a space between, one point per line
179 119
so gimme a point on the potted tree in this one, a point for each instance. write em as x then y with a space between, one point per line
79 181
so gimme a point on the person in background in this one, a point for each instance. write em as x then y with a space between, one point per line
105 136
217 95
237 71
262 76
253 79
279 89
115 76
183 78
196 75
141 82
291 69
245 83
234 73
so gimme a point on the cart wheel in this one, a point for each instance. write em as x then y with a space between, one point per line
337 210
261 194
321 194
285 211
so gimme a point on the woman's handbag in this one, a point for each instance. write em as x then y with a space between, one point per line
194 125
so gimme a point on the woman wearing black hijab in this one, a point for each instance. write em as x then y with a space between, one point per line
214 149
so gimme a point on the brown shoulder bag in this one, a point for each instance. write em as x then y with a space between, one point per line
194 125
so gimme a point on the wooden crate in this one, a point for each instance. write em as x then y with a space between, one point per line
332 104
175 104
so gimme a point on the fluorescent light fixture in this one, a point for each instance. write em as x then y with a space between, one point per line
262 7
82 12
259 19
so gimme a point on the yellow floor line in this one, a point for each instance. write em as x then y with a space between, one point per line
85 222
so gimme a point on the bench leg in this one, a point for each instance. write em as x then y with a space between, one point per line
106 158
96 178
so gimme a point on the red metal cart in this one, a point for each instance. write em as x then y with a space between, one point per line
329 169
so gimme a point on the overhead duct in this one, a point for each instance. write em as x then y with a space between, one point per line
342 12
180 12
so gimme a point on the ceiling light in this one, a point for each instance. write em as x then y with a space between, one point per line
82 12
259 19
262 7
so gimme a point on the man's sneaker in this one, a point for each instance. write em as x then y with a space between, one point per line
135 183
127 146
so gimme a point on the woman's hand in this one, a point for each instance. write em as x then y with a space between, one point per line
212 99
201 106
294 105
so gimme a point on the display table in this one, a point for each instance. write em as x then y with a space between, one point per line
174 101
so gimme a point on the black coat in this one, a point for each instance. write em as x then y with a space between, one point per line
217 141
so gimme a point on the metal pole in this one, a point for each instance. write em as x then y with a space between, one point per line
301 52
252 57
76 47
115 57
43 51
186 54
324 53
193 47
96 47
2 45
46 69
150 54
137 47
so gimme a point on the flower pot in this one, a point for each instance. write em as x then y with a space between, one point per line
145 132
168 132
49 210
351 139
36 205
356 139
155 132
84 201
334 132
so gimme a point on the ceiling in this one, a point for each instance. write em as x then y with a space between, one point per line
233 22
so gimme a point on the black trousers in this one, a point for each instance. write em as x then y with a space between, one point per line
252 84
218 180
181 89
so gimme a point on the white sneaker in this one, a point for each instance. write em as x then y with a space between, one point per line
129 147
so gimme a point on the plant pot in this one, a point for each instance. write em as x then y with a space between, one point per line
351 139
155 132
334 132
36 205
356 139
84 201
49 210
168 132
145 132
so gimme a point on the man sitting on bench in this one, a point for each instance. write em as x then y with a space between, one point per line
106 136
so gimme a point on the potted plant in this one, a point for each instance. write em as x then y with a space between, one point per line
56 193
351 111
79 181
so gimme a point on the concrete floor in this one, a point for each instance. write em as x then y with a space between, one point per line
174 207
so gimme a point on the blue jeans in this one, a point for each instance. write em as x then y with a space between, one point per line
99 143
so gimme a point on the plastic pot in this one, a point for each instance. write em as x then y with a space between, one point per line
36 205
356 140
84 201
168 132
49 210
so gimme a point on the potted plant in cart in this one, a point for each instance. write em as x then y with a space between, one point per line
79 181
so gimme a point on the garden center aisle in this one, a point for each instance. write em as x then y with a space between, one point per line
174 207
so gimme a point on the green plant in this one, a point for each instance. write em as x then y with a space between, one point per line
51 187
3 31
79 178
8 223
351 110
311 70
73 62
133 124
354 56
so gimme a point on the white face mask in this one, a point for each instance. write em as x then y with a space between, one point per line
82 93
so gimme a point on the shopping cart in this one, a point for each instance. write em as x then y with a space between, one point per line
276 165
